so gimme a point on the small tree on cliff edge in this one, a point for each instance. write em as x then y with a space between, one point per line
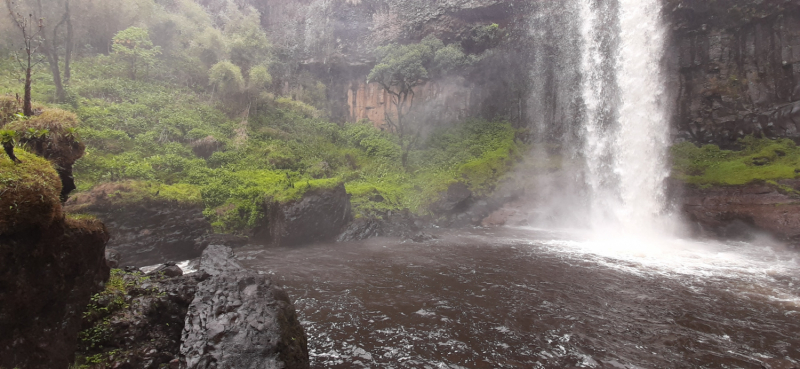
31 31
402 68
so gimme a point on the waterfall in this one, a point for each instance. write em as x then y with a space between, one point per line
598 100
625 126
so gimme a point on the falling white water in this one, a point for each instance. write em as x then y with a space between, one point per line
625 119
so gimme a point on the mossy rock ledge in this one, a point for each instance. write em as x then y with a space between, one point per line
50 266
29 193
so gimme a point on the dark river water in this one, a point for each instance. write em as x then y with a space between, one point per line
517 298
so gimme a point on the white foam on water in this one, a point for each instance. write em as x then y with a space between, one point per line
748 268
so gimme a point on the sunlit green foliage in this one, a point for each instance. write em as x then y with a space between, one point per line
760 159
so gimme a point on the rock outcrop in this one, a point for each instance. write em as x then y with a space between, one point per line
221 316
146 232
740 211
736 68
398 224
51 134
50 266
320 215
47 277
137 323
239 319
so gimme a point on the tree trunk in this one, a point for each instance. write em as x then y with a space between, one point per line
70 43
52 60
27 107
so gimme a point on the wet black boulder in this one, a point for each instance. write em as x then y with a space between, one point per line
320 215
240 319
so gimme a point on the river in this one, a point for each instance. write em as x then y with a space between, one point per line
527 298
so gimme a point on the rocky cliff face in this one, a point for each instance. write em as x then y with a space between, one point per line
318 216
148 232
47 277
736 65
736 212
335 40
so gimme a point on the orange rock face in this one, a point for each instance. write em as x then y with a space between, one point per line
434 103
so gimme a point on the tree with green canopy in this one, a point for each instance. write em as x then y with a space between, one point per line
134 48
401 69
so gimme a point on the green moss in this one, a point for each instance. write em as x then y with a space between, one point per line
759 160
29 192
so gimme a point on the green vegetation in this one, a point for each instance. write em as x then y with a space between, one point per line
760 159
29 192
401 69
190 108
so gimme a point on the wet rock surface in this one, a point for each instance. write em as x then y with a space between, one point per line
399 224
319 216
47 277
736 66
143 329
240 319
221 316
735 212
147 232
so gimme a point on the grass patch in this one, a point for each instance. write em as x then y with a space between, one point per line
759 160
84 223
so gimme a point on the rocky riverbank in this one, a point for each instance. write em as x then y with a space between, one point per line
220 315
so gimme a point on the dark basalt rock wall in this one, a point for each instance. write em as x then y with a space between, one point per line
239 319
736 65
47 277
319 216
735 212
148 232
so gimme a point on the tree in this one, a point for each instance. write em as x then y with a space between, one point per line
134 48
249 45
56 35
402 68
51 39
226 78
31 30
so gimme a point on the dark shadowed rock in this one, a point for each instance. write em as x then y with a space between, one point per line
240 319
736 67
145 331
738 211
206 147
168 269
148 232
47 277
112 258
402 225
319 216
455 199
